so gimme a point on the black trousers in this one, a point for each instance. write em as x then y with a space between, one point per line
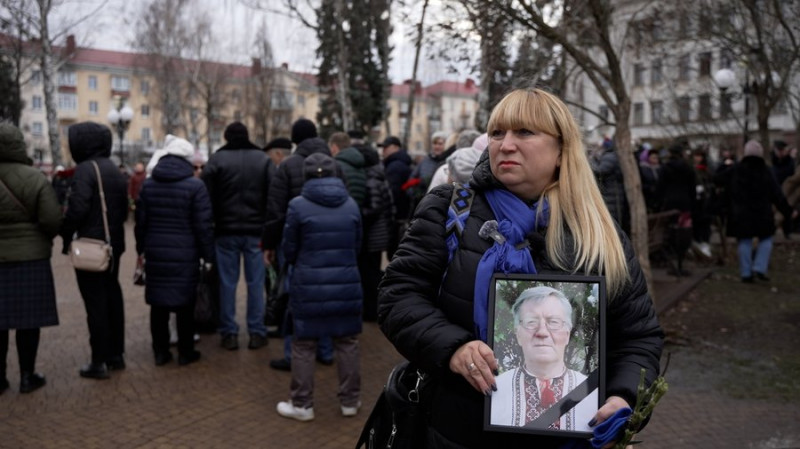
27 347
105 311
159 328
369 267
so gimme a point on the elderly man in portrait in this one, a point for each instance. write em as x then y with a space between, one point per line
542 325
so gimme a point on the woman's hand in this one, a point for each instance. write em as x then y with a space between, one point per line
612 404
475 361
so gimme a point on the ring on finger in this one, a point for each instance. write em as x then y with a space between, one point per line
471 367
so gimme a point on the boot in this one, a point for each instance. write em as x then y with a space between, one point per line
3 384
29 382
95 371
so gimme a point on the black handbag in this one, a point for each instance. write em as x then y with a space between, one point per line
401 415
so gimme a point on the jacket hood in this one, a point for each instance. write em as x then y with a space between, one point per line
371 156
328 192
400 155
171 168
12 144
88 140
311 146
351 156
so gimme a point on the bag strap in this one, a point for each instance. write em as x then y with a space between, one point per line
457 214
102 201
566 403
14 198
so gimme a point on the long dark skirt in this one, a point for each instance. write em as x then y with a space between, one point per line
27 295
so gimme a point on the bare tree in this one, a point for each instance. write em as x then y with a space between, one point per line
261 89
162 36
412 87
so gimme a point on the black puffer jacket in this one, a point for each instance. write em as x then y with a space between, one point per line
753 191
377 211
238 178
287 184
427 324
89 141
173 231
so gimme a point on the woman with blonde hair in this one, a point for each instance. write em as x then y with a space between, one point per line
536 183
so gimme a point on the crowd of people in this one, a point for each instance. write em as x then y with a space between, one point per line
322 214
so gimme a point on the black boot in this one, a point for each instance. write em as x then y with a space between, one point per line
30 381
95 371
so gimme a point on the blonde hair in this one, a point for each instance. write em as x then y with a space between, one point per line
574 198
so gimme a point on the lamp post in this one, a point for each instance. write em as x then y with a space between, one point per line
120 118
725 79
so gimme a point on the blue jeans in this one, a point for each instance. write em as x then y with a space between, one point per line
747 263
229 248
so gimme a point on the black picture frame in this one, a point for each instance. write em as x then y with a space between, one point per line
583 354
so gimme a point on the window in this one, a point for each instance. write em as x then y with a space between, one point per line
36 77
38 129
67 102
66 79
93 107
638 74
301 100
146 134
638 114
404 108
684 24
684 108
704 107
120 83
36 103
144 87
684 67
725 108
725 59
705 64
145 110
603 113
656 112
655 73
92 82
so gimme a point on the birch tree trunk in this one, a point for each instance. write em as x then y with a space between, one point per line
48 83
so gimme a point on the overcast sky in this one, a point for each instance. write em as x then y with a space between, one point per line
113 28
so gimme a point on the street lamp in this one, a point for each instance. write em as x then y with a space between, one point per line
120 118
725 79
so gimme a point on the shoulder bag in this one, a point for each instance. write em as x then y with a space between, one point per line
91 254
401 415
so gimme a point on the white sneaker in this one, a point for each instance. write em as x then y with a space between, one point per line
351 411
288 410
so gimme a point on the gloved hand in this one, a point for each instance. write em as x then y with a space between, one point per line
611 429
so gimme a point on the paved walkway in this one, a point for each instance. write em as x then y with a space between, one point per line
228 398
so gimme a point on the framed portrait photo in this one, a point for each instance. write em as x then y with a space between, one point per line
548 335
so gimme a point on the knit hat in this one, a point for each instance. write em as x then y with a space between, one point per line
279 142
753 148
11 138
178 147
303 129
236 132
319 165
481 142
391 140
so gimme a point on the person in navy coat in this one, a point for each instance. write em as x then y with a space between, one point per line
321 239
173 232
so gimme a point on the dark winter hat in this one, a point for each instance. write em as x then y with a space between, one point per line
319 165
391 140
279 142
236 132
303 129
779 144
355 134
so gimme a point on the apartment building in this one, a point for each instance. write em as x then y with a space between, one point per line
669 62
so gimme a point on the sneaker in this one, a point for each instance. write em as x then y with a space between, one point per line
257 341
230 342
281 364
351 411
288 410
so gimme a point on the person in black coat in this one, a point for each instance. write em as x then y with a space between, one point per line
237 177
434 311
753 191
321 240
90 143
397 166
173 233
